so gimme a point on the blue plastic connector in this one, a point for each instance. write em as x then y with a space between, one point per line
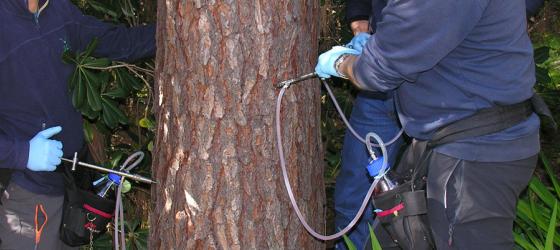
374 167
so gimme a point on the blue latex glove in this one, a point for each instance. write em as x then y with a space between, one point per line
44 153
325 65
359 41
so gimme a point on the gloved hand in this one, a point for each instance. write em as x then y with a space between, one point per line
359 41
44 153
325 65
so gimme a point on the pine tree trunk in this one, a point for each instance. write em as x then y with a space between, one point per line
215 159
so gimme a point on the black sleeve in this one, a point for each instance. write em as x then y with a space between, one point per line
357 10
116 42
533 6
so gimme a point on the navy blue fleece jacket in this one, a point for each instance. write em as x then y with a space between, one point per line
446 60
34 80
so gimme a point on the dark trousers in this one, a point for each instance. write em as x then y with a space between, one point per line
370 113
17 220
472 205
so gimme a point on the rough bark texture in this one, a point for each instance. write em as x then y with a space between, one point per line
219 180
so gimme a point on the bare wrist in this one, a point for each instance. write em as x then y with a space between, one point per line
347 68
359 26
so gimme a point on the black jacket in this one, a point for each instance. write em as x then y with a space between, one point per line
362 9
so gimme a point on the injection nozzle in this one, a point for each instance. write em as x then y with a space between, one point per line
289 82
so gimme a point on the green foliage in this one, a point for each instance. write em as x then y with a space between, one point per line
334 31
332 127
547 60
536 223
93 87
375 245
114 99
349 244
136 237
131 12
551 228
374 242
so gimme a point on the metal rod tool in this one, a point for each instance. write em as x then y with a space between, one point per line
287 83
135 177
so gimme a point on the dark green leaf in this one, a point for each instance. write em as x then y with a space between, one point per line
131 80
68 57
88 132
111 107
89 49
116 93
73 80
349 244
132 225
524 209
103 8
541 54
109 120
540 189
116 158
520 240
141 239
88 112
96 62
79 93
553 41
551 173
104 78
94 78
551 229
121 81
103 242
538 217
542 75
524 213
535 240
374 242
93 96
108 116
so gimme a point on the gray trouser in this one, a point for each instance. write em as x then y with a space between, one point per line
472 205
17 220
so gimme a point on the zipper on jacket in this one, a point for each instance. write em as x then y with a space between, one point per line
38 12
36 18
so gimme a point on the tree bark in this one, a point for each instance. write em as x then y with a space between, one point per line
215 158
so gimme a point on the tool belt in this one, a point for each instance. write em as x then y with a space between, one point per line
85 215
402 211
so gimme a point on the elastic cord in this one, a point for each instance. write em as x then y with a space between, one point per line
289 187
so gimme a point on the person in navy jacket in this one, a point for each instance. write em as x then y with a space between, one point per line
38 123
365 16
